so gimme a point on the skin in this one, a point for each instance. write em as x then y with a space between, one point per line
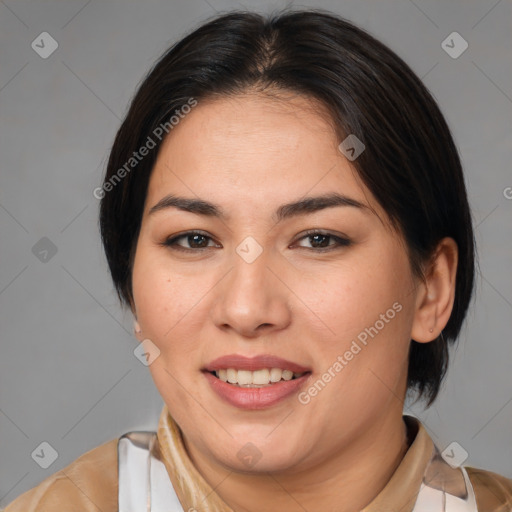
293 301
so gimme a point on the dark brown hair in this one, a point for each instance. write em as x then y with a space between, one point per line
410 164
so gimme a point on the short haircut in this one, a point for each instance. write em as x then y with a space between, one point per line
410 164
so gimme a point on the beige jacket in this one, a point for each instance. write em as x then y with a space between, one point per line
90 483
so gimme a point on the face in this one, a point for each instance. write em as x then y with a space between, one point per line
327 289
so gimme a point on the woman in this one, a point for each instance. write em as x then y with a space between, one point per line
285 214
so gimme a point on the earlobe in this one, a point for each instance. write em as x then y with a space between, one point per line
436 294
136 326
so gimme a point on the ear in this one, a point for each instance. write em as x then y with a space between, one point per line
136 326
435 296
137 329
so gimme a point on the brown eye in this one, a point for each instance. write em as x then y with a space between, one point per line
321 241
194 240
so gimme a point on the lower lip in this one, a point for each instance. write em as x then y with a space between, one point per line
255 398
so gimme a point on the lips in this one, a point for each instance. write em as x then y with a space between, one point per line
256 398
259 397
260 362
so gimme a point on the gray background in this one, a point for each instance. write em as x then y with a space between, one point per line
68 375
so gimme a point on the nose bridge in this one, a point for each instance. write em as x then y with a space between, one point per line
251 296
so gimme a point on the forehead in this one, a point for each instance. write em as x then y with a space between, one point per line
253 150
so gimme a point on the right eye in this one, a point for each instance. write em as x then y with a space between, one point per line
195 240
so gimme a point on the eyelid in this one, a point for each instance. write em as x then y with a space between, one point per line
342 239
171 240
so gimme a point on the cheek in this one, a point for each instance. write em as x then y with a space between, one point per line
167 305
171 308
352 297
160 296
368 309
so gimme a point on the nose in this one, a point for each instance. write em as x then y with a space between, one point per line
252 300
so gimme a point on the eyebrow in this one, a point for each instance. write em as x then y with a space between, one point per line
301 207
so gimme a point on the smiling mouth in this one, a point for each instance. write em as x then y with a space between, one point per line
255 379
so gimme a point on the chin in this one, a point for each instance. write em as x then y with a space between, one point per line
259 454
254 463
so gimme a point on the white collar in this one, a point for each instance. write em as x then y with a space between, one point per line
144 484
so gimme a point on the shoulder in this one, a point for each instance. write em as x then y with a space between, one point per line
493 492
89 483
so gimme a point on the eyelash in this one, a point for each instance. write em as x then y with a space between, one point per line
340 241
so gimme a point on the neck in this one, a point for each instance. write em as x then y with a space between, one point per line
346 482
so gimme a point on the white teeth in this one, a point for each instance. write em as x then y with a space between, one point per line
256 378
287 374
276 374
259 376
244 377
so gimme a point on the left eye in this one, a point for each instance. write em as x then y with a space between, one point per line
320 240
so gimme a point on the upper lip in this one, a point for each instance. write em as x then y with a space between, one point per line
239 362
